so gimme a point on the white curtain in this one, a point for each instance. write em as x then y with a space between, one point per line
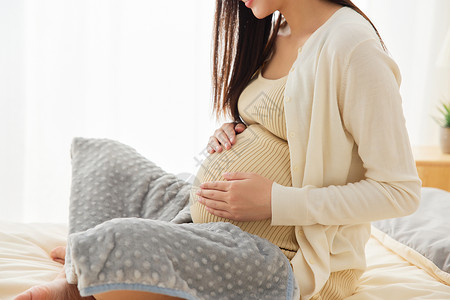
138 71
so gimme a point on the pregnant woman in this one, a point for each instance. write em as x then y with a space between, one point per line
316 151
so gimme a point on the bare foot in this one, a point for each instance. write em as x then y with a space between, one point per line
59 254
58 289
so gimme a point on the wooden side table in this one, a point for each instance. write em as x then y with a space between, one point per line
433 166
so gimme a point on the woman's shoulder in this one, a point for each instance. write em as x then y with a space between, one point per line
346 30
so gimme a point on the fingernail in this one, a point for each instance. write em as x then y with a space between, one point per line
227 145
217 148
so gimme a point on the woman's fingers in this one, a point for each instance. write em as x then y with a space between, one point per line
240 127
220 138
224 137
230 137
217 206
213 145
226 134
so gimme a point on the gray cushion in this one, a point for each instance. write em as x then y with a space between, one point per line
427 230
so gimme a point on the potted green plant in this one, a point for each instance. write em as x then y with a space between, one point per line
444 123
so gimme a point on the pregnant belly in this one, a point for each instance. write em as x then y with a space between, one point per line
256 150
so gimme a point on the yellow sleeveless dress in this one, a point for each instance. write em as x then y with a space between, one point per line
261 148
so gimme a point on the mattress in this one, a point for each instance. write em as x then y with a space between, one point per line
390 274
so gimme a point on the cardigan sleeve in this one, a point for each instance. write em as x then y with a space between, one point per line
371 111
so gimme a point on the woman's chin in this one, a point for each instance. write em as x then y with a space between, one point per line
258 14
260 17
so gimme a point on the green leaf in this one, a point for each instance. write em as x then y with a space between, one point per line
444 109
447 108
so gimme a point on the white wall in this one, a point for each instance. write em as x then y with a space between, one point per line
414 32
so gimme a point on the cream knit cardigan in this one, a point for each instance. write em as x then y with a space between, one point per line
351 160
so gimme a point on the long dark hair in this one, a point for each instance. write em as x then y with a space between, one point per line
241 43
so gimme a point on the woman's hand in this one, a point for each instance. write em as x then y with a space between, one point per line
242 197
224 136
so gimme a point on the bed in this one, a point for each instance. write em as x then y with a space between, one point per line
394 269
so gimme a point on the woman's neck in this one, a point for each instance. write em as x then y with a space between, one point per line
303 17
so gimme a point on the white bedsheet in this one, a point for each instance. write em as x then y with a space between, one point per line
24 255
25 261
389 276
